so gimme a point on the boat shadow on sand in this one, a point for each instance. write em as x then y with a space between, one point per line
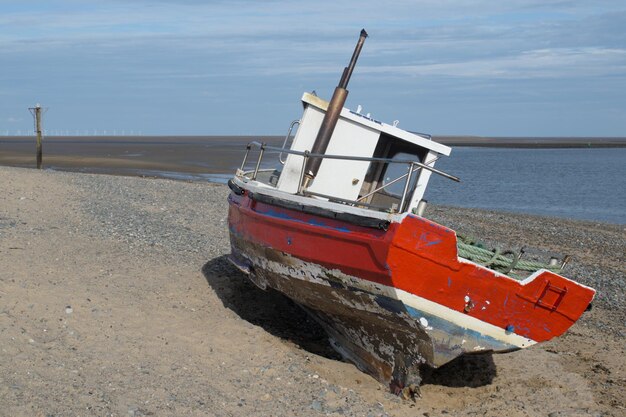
281 317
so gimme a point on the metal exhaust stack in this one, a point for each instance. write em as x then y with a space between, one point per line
332 114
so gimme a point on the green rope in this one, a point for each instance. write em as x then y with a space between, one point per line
497 260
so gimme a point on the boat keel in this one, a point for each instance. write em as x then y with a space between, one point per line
389 345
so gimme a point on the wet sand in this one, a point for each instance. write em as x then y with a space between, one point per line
176 156
132 155
116 299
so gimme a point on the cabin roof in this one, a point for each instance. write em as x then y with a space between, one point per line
416 139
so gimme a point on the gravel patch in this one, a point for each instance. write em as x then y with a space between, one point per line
147 214
117 300
598 250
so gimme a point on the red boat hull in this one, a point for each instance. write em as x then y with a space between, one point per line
408 278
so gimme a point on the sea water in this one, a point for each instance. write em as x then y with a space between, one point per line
579 183
587 184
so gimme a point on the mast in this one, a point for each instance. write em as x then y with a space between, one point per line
332 114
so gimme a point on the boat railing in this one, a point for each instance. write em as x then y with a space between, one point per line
291 126
412 168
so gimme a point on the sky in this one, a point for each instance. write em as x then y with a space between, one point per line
239 67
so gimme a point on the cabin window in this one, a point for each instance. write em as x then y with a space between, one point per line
383 174
394 171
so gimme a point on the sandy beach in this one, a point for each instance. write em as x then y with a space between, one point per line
116 299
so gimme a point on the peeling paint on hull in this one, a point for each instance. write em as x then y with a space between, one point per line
379 333
395 299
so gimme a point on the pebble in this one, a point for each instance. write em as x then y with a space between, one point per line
197 230
128 211
597 249
151 224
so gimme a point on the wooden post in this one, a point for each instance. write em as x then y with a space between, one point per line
36 112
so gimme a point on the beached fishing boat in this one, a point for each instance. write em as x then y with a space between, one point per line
339 227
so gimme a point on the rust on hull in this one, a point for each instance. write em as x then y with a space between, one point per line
379 338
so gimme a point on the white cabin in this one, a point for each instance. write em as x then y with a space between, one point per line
346 181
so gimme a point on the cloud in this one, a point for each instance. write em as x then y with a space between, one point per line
119 51
541 63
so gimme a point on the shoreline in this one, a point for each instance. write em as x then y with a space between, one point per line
536 142
118 300
216 158
532 142
204 176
